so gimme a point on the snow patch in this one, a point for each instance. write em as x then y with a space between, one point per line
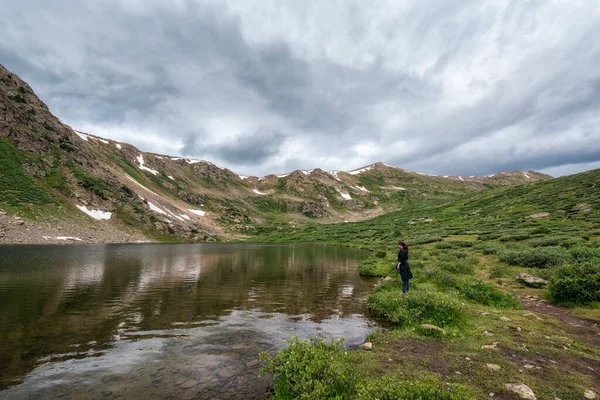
526 176
118 146
242 177
364 189
67 238
96 214
159 157
197 212
346 196
102 140
461 178
175 159
334 174
491 176
282 175
185 217
140 160
257 192
156 209
358 171
190 161
170 177
82 135
174 215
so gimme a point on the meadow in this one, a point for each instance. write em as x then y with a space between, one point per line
474 322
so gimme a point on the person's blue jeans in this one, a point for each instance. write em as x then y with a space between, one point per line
405 285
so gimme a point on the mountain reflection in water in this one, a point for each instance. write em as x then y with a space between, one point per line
166 320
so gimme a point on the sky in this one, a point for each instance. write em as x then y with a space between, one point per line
445 87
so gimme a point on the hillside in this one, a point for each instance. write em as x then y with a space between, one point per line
63 183
503 303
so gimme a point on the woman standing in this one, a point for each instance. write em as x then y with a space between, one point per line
403 266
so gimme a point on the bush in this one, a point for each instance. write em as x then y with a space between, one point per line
456 266
388 389
488 248
541 257
547 241
454 244
381 254
488 236
374 266
426 240
477 291
577 284
311 369
582 254
414 308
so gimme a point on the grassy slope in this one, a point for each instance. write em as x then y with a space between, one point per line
465 257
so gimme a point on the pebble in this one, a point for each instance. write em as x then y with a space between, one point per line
190 383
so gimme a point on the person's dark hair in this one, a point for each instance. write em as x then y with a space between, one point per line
404 246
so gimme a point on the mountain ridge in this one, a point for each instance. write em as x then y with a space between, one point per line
58 173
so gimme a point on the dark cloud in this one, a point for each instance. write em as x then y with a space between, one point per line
243 150
455 87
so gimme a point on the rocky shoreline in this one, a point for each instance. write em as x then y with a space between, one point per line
15 230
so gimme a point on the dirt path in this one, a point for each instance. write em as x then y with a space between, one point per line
586 330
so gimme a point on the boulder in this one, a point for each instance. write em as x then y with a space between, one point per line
493 367
367 346
589 394
531 280
522 390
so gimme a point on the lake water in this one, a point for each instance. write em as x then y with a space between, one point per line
167 321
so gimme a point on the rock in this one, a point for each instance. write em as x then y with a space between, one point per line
582 207
431 327
486 333
522 390
505 319
490 346
589 394
531 281
388 278
367 346
528 366
493 367
190 383
539 215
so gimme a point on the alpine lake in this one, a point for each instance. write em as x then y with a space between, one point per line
167 321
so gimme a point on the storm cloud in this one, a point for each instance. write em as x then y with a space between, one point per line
450 87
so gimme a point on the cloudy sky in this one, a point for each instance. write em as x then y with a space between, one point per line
447 87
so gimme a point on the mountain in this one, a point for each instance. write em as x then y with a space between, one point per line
58 183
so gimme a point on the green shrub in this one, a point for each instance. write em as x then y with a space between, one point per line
514 238
426 240
488 236
576 284
414 308
456 266
582 254
374 266
311 369
488 247
454 244
540 257
547 241
381 254
477 291
388 388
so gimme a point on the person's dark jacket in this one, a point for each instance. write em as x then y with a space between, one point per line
405 273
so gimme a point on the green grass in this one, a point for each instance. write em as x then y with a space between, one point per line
17 188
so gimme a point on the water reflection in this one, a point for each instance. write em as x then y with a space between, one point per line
130 313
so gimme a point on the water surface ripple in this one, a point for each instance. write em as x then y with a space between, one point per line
166 321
